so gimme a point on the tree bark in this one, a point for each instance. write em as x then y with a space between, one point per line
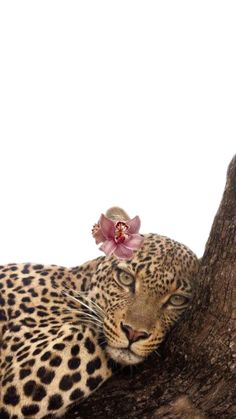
195 376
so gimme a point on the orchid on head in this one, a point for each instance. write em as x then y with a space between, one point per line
118 233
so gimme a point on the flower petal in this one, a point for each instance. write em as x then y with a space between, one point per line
123 252
134 241
134 225
99 237
108 247
107 227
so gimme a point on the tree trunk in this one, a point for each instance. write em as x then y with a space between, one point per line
195 378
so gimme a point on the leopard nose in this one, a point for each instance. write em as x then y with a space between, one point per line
133 335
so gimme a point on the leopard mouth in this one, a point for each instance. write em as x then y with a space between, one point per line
124 356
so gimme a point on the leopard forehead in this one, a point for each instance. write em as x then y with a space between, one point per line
159 262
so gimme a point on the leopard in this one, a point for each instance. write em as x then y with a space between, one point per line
62 330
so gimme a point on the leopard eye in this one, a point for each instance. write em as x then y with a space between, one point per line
125 278
178 300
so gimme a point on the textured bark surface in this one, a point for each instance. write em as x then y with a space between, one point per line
195 378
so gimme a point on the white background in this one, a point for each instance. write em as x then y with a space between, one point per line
103 103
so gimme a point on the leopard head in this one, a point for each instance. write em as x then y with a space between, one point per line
142 298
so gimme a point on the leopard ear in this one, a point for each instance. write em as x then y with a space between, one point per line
117 213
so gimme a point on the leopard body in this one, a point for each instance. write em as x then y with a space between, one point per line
62 329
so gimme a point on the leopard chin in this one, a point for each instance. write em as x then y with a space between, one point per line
123 356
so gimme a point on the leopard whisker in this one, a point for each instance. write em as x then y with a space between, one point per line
92 302
95 305
157 353
92 317
84 314
80 302
89 322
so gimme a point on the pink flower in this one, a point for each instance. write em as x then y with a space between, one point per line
120 238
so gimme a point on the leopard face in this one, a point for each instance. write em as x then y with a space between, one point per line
143 298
